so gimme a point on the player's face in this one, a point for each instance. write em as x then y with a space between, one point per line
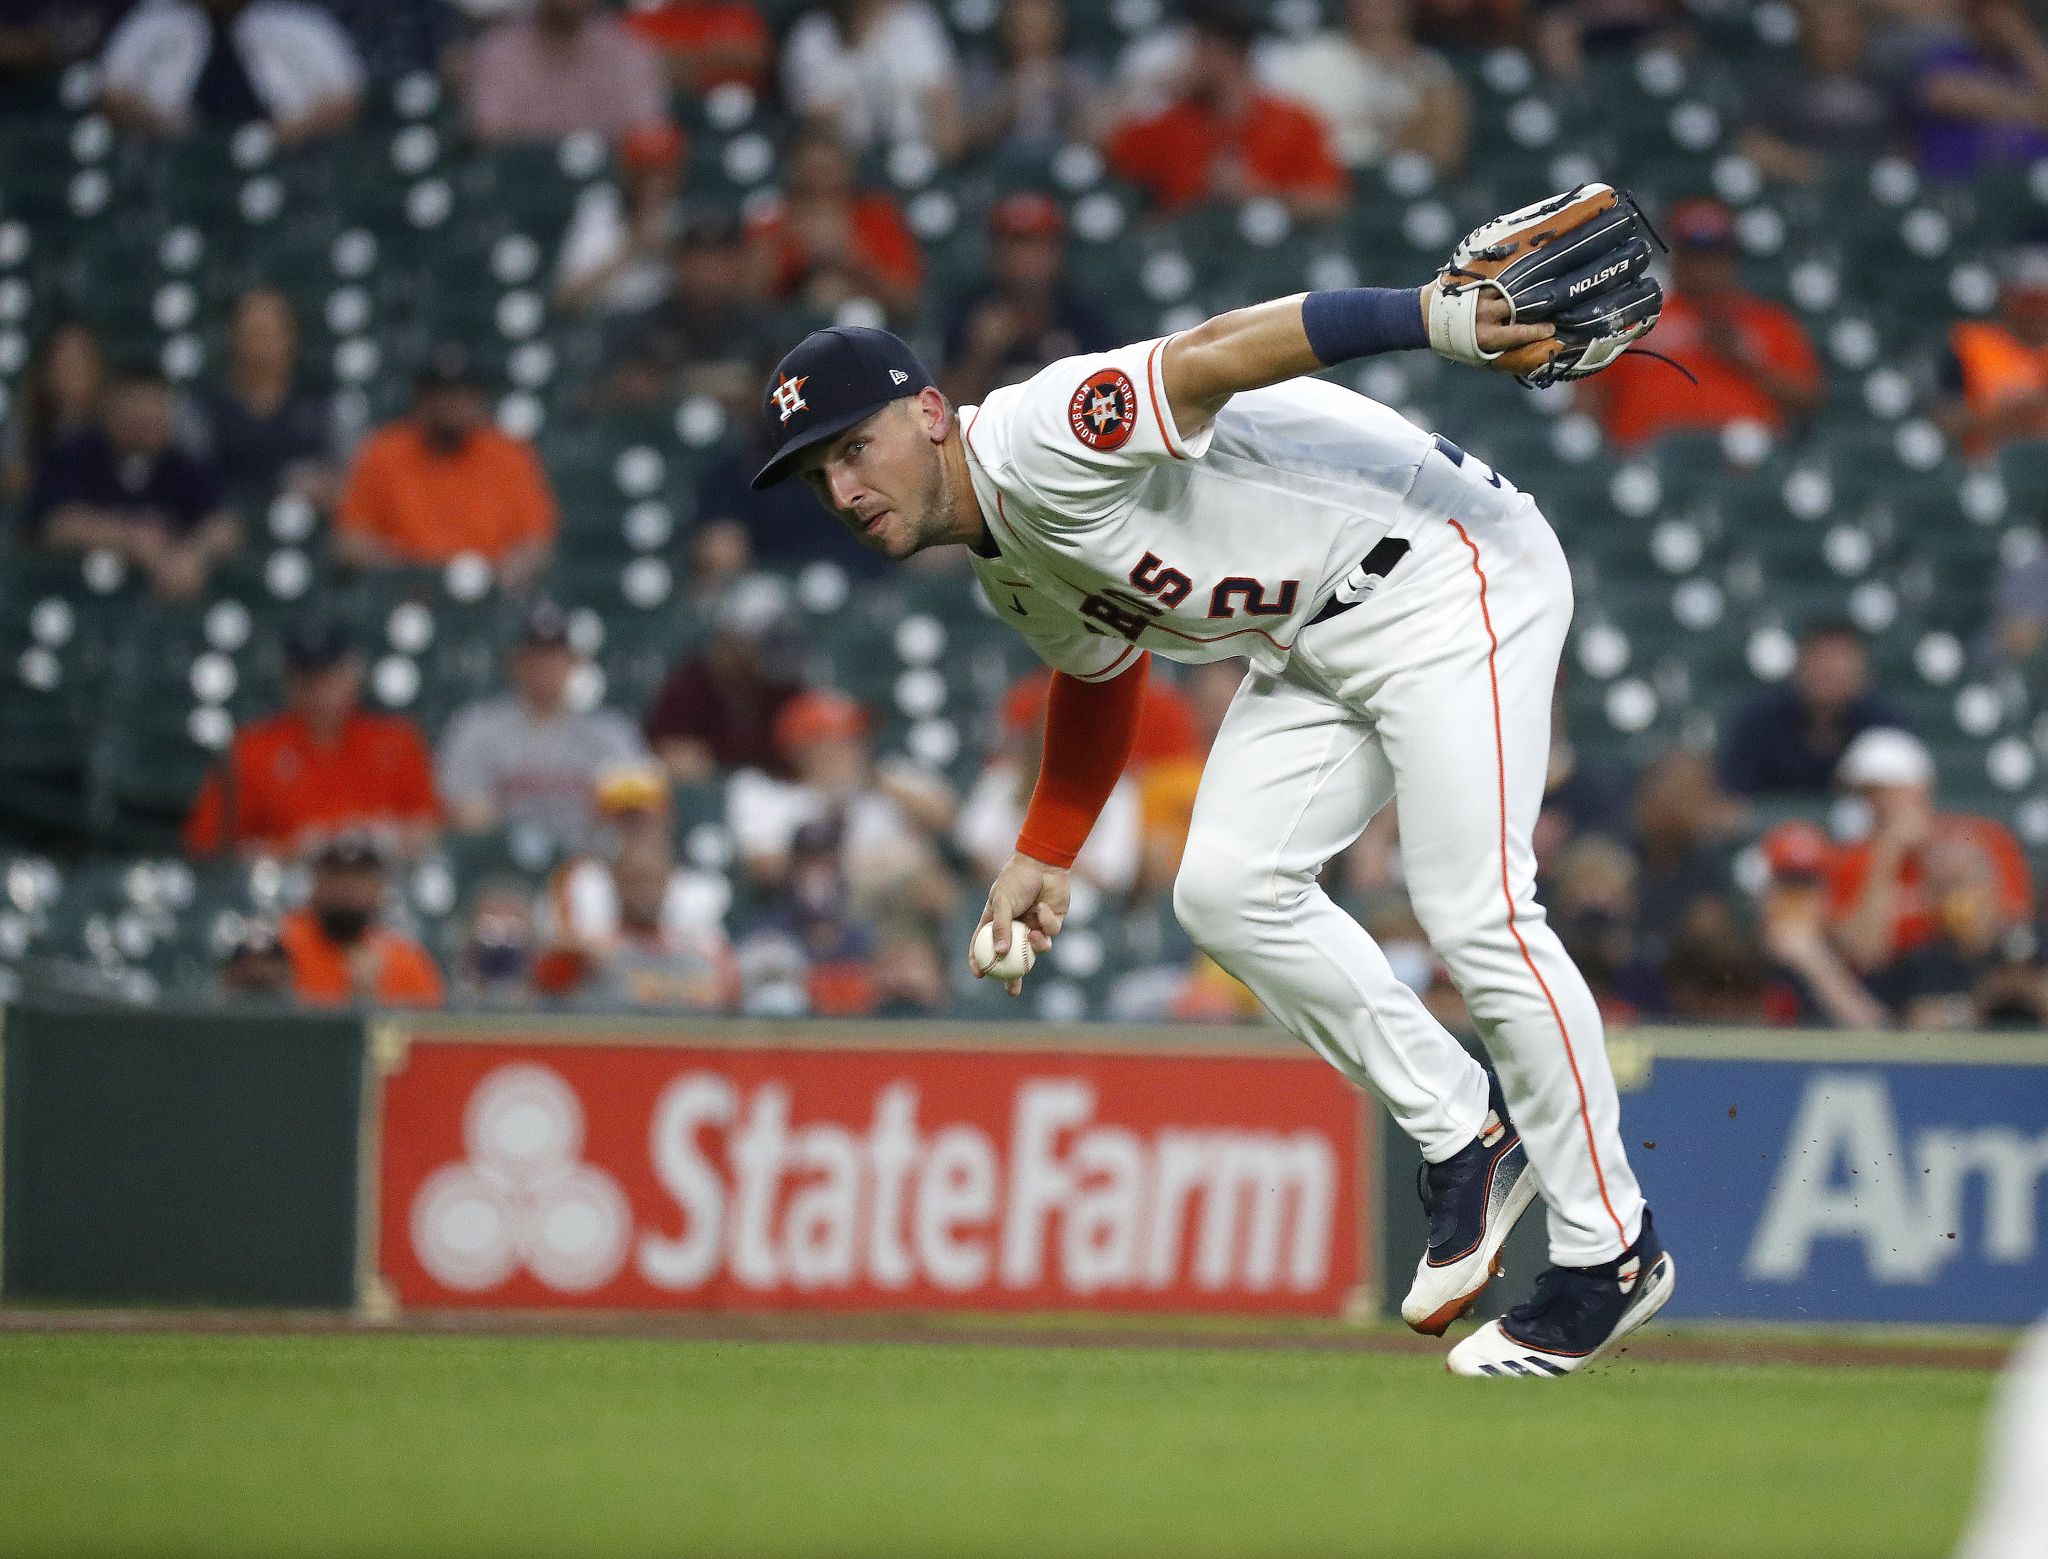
884 480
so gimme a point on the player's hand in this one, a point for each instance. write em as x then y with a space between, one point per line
1028 898
1495 333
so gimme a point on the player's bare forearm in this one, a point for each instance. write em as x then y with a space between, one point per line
1267 343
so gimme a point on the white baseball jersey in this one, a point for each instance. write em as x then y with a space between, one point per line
1118 533
1115 533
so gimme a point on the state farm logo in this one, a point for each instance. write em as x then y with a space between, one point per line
522 1197
647 1177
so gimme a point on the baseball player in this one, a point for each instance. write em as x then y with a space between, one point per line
1403 609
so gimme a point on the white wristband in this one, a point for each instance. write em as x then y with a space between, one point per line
1454 321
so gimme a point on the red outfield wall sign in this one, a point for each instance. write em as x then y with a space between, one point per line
646 1176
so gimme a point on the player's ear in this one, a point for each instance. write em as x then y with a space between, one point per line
934 413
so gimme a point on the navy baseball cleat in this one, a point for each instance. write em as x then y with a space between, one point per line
1575 1315
1473 1199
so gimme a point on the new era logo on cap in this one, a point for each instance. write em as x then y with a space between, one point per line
836 378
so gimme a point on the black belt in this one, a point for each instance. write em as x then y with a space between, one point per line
1377 564
1386 557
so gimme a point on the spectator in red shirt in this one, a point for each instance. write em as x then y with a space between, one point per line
322 766
707 43
1753 359
716 712
1224 137
1878 890
827 241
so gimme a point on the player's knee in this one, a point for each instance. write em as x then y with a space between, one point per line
1215 895
1466 932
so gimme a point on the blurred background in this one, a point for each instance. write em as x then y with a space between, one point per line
387 619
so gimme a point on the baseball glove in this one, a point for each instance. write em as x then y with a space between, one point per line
1579 261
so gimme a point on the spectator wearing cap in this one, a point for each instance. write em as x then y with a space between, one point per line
1811 986
813 915
705 44
124 486
443 481
341 953
265 426
614 256
624 925
1029 312
324 765
1752 358
566 67
1996 370
825 241
1035 95
1224 137
715 712
528 759
1378 89
1827 109
875 73
1878 890
1978 99
888 814
1787 740
705 333
176 64
993 812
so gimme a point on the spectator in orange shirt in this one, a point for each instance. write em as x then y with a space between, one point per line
1996 371
827 241
321 766
1753 359
340 955
1878 890
1224 137
443 481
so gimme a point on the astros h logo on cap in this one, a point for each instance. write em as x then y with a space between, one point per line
789 396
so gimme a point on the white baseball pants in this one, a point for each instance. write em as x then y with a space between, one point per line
1435 691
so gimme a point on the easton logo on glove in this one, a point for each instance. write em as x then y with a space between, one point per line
1578 261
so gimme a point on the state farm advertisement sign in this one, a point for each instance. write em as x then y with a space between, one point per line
645 1177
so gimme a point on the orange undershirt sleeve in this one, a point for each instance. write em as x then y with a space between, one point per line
1089 728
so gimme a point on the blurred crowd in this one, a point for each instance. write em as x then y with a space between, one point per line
848 862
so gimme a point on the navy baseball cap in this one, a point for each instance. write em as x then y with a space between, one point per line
830 380
315 643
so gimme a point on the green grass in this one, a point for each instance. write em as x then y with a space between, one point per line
400 1446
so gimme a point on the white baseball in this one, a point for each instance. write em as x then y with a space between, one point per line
1013 965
